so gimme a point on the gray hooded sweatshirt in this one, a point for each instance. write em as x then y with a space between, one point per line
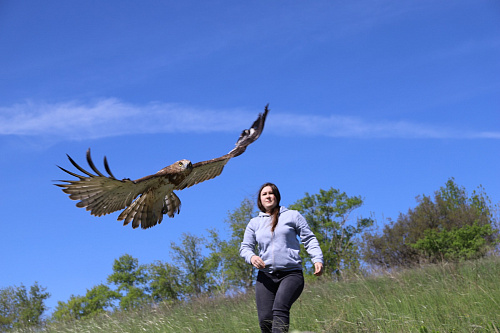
280 249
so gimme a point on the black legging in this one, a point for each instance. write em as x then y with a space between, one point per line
275 294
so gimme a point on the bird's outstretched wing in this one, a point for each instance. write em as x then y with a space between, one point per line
98 193
212 168
103 194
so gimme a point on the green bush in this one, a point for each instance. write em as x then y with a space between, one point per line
468 242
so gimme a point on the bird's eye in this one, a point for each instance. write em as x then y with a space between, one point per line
180 164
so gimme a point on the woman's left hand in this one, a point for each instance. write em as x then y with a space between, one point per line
318 268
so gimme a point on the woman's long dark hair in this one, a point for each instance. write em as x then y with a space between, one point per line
275 211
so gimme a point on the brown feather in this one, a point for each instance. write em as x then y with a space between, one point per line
147 199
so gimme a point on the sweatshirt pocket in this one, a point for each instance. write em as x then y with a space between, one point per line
294 255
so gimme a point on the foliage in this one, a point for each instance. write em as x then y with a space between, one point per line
137 285
468 242
130 278
194 265
164 282
230 271
20 308
459 298
96 301
451 226
327 214
452 209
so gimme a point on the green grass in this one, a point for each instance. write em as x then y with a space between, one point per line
445 298
450 298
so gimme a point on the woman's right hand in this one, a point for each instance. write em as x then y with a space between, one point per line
257 262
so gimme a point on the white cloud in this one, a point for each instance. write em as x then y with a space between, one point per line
355 127
111 117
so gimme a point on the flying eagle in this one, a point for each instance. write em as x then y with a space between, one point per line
101 194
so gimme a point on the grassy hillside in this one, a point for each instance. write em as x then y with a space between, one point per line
447 298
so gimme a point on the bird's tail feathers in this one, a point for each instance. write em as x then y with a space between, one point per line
172 205
148 209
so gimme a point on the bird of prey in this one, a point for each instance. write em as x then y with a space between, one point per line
147 199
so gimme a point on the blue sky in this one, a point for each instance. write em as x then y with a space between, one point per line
382 99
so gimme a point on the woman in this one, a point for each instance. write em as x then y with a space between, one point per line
280 280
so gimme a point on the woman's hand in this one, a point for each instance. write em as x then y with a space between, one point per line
318 268
257 262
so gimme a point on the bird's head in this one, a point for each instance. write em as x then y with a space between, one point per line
183 165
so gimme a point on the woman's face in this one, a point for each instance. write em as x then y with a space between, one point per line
267 198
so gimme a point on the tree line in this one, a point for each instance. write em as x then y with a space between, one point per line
450 226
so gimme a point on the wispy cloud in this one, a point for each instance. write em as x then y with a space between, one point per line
355 127
111 117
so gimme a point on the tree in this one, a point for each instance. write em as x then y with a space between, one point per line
20 308
8 308
73 309
327 214
131 279
451 215
164 282
468 242
194 265
230 270
96 301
